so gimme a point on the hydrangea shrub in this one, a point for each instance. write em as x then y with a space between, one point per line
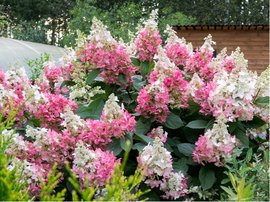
185 113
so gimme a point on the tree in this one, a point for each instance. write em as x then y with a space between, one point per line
225 12
31 17
120 17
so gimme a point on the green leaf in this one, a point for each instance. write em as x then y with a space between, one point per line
146 68
139 146
255 123
197 124
186 148
210 124
180 165
240 133
262 101
115 147
232 179
92 75
67 83
123 141
138 82
143 138
135 61
173 121
168 147
229 191
207 177
122 78
249 155
143 126
92 111
193 108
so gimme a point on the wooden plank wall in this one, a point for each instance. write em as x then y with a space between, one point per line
253 43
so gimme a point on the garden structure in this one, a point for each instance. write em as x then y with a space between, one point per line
252 39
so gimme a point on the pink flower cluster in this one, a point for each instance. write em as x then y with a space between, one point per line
93 166
147 44
200 61
52 73
37 157
201 96
148 40
230 92
166 88
156 164
178 53
113 60
13 84
48 147
103 52
49 111
153 101
214 145
114 122
158 133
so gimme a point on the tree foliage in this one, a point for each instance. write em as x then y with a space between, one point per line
33 20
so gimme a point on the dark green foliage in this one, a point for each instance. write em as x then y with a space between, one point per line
207 177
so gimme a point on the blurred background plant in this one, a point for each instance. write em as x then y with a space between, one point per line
36 66
55 21
248 178
11 187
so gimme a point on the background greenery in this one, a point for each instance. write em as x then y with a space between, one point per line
32 20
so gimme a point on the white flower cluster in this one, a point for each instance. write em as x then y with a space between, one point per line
100 35
174 186
195 84
173 38
155 159
262 85
13 141
111 109
237 90
83 157
81 92
208 42
263 90
38 134
258 132
35 96
163 65
151 23
219 134
240 61
26 172
15 75
72 122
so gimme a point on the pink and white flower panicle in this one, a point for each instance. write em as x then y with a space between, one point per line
114 122
148 40
105 53
93 166
214 145
156 163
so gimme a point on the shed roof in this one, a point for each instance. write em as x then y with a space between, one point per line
16 52
222 27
